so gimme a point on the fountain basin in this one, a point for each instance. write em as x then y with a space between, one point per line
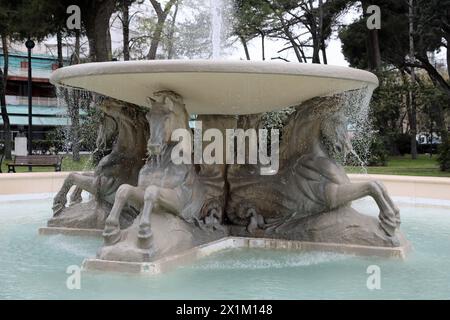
39 271
216 87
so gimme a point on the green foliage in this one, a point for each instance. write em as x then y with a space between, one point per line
251 17
387 109
378 155
375 155
277 119
393 36
36 19
402 143
432 20
47 146
89 129
444 156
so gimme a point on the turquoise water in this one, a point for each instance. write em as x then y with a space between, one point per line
34 267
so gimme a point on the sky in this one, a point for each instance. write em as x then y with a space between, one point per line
334 54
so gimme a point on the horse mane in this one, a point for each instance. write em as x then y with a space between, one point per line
316 109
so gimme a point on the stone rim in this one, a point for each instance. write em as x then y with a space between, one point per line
216 87
211 66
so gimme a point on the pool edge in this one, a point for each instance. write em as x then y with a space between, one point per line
166 264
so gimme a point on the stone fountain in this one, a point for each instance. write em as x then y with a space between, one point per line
149 207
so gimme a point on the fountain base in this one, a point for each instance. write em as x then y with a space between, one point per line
170 235
344 226
168 263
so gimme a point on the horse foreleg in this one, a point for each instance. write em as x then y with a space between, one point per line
155 197
82 182
339 195
125 193
391 202
75 196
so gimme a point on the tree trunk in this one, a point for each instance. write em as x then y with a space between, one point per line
5 117
72 98
76 136
287 32
374 50
435 76
59 49
318 32
170 38
77 47
74 111
316 50
412 95
324 52
441 123
244 44
373 44
263 45
157 34
322 39
126 29
156 38
97 30
75 126
294 44
413 122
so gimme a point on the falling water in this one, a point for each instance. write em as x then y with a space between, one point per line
216 7
356 109
67 97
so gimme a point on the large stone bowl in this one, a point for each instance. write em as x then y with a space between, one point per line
216 87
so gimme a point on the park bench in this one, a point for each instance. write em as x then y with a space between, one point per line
35 161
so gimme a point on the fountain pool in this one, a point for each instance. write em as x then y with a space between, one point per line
34 267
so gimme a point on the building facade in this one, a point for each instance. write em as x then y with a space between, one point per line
48 114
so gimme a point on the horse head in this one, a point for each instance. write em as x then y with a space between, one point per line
167 113
335 134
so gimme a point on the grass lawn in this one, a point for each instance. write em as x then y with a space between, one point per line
67 165
405 166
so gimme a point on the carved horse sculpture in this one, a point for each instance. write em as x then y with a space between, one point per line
309 182
106 136
121 165
163 186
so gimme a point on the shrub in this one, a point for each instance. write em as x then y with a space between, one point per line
378 155
403 143
47 146
444 156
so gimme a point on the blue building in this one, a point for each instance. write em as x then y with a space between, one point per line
47 114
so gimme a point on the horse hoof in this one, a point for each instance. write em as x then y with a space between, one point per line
144 242
388 229
111 236
145 232
57 209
